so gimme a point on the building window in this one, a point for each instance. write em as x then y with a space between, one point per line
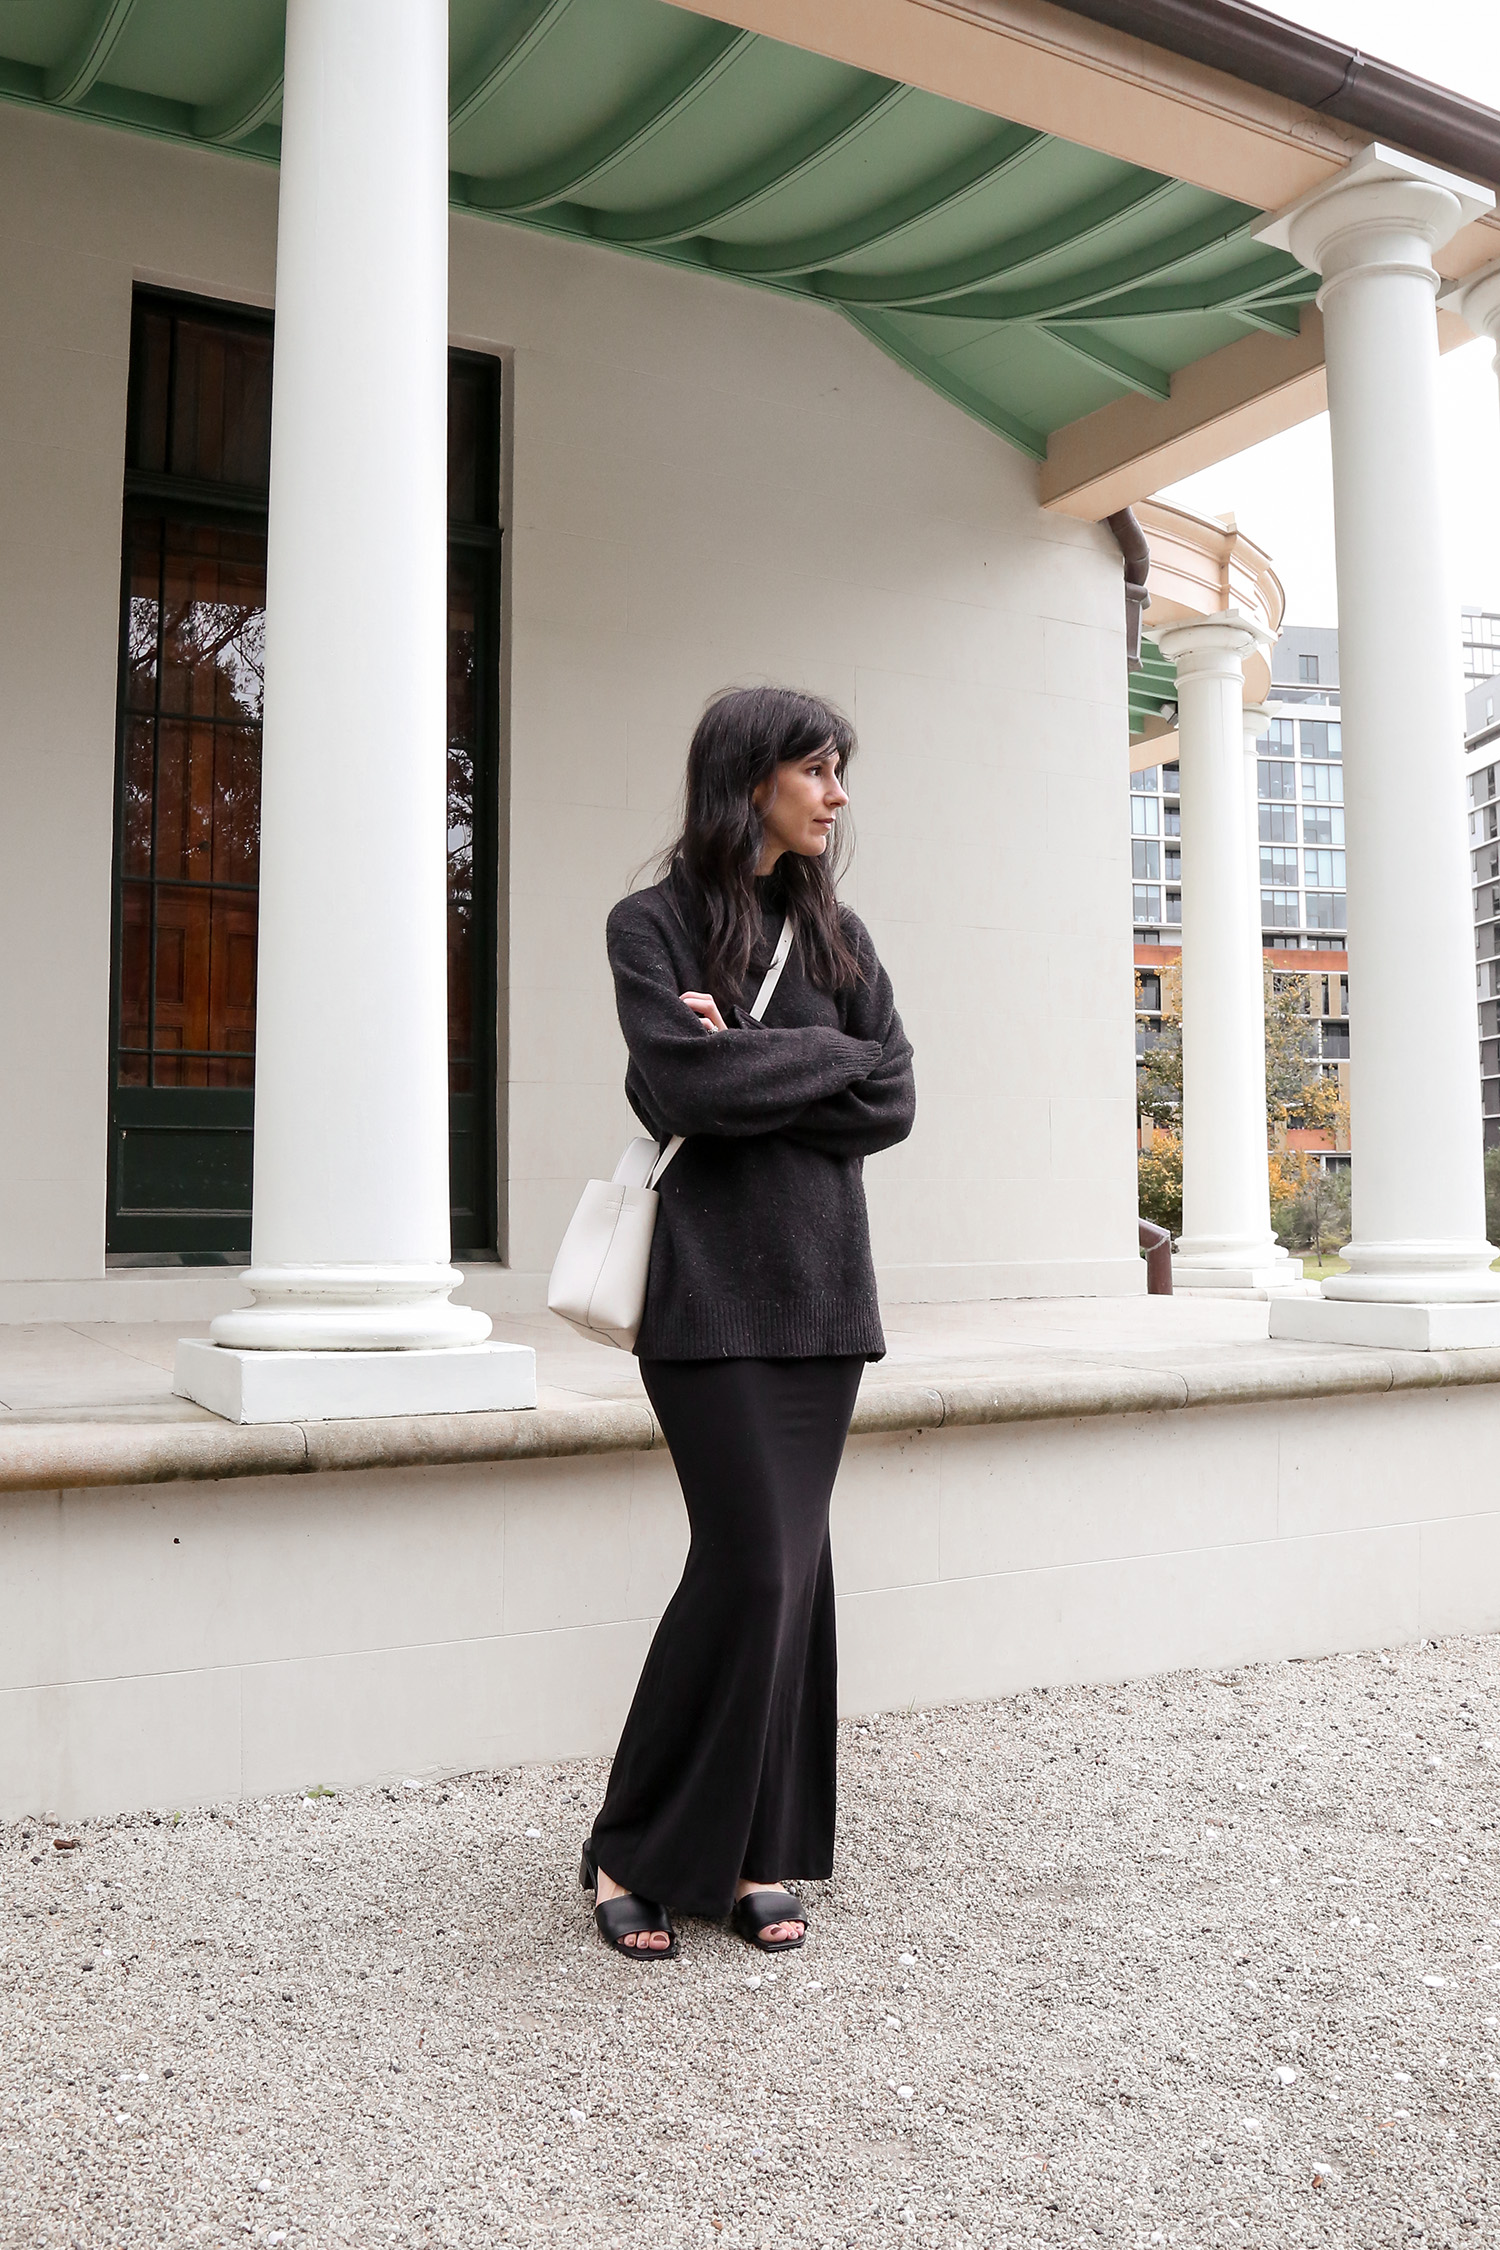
1147 903
1279 910
1148 991
1170 781
1144 812
1278 824
1281 739
1174 906
1173 865
1143 784
1277 866
1322 824
1307 670
1335 1040
1275 777
1321 738
188 791
1326 910
1326 869
1145 861
1323 785
1171 820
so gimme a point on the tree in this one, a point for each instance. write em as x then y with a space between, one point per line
1158 1076
1159 1179
1309 1205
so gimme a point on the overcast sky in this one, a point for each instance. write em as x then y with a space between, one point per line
1280 491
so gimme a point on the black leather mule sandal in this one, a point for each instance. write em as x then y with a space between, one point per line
761 1910
628 1916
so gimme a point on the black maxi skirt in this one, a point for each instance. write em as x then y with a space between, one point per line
726 1764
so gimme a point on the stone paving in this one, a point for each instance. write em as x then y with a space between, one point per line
1208 1959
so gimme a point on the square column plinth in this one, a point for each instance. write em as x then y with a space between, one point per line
353 1386
1390 1327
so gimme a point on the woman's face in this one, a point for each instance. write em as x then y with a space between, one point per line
799 804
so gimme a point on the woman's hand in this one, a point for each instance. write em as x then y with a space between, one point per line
706 1009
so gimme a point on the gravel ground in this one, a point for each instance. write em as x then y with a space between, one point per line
1200 1960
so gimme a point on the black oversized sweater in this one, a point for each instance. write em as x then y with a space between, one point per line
762 1243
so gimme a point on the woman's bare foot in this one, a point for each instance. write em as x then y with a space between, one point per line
775 1932
647 1941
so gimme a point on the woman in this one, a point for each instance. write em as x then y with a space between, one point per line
760 1314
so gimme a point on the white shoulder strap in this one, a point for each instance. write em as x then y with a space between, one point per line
762 1001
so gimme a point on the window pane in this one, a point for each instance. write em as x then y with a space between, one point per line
1278 910
1147 903
1143 815
1282 737
1278 824
1276 777
1307 668
1322 824
1144 782
1174 906
1169 780
1277 866
1325 910
1145 861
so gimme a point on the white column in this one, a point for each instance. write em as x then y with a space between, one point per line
351 1246
1227 1241
1420 1266
1478 300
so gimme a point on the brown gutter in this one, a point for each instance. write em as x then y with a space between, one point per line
1131 541
1251 44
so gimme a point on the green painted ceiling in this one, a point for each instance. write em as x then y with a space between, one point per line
1152 693
1026 278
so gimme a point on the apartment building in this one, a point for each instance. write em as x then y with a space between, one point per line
1299 779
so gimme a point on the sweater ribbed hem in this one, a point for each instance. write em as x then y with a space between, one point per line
785 1328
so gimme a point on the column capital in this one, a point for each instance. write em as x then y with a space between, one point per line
1476 299
1384 213
1257 724
1217 644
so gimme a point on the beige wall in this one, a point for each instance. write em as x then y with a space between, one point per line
186 1643
711 484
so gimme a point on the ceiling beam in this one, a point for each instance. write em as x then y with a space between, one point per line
871 100
1042 66
501 62
668 97
251 105
1109 358
1067 230
74 79
887 221
1089 295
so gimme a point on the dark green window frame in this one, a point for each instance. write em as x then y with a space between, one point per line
180 1155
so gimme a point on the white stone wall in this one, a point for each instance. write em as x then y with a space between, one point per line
185 1643
711 484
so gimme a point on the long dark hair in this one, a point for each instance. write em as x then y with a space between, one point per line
742 737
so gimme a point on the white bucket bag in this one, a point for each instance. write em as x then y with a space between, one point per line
598 1282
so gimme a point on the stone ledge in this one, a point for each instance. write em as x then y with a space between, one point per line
63 1455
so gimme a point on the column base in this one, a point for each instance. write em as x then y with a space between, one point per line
340 1386
1389 1326
1266 1277
397 1308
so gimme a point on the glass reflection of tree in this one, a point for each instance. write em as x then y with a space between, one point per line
462 712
